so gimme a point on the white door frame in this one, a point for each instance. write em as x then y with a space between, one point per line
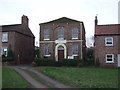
56 51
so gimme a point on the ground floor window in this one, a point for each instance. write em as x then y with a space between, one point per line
4 51
75 49
47 50
109 58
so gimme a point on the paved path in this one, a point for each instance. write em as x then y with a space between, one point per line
27 77
36 84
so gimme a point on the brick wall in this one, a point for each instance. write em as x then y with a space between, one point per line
101 50
24 47
67 36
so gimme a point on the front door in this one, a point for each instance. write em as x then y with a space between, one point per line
60 52
118 60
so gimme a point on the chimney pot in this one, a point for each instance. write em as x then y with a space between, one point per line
96 21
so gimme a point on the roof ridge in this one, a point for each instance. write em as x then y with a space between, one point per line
11 25
108 24
61 20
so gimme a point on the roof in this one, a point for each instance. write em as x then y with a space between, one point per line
20 28
107 29
62 20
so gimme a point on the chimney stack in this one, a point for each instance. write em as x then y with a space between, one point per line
96 21
25 20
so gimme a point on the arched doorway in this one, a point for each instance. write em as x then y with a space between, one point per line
60 52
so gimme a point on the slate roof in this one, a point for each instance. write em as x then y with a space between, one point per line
62 20
107 29
18 28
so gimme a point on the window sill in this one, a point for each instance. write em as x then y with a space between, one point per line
109 45
74 55
60 38
5 42
47 55
110 62
46 39
74 38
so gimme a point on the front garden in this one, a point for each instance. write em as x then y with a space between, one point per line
84 77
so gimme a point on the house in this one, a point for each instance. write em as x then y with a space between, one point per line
107 44
20 39
63 38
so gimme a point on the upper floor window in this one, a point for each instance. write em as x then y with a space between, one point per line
4 37
109 41
75 49
61 33
46 34
4 51
47 50
109 58
75 33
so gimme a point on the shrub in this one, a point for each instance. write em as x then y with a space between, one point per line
97 62
45 62
89 62
37 53
4 59
9 57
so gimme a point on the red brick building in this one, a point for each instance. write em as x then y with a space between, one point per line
21 40
62 38
107 44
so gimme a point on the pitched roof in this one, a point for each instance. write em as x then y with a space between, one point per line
18 28
62 20
107 29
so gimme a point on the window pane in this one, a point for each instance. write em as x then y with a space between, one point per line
75 33
109 57
61 33
5 37
46 49
75 49
46 34
60 48
109 41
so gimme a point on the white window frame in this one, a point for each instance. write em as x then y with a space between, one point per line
48 34
112 58
5 34
75 33
107 41
3 49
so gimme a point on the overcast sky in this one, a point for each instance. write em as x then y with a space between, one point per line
40 11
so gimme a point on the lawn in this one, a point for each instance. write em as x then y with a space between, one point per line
85 77
12 79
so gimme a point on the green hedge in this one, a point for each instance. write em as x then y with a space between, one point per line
89 62
4 59
64 62
70 62
45 62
